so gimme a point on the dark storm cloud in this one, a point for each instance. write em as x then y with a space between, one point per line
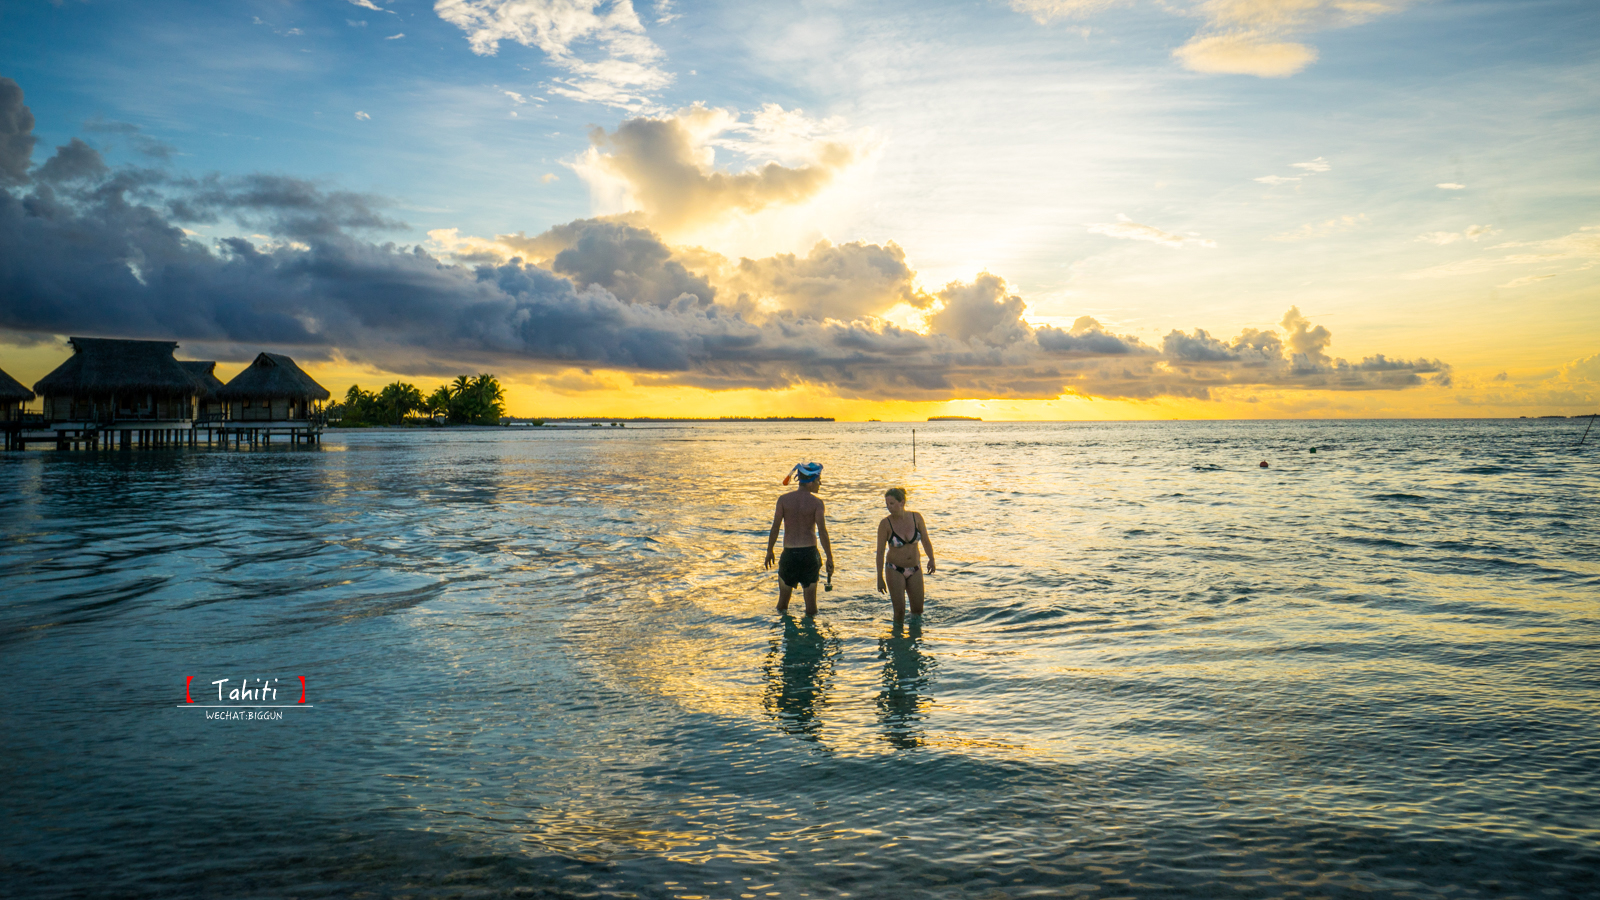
286 207
16 134
1298 359
96 251
95 260
1088 338
114 267
630 262
73 161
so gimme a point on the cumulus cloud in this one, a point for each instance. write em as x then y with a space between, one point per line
1586 369
1298 357
1451 186
981 312
664 168
1128 229
361 115
844 281
630 262
73 161
95 250
1316 165
368 4
16 134
601 44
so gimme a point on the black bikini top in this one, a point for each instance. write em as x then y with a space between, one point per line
895 540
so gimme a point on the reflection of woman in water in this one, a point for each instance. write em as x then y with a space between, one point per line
900 570
903 703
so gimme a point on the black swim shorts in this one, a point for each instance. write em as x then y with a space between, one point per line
799 565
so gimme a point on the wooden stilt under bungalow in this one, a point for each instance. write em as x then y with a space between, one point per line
210 411
273 396
14 397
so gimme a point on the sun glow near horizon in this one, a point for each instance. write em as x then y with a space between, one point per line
1040 210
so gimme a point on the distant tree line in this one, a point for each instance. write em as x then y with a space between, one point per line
465 401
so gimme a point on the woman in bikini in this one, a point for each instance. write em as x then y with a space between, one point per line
900 569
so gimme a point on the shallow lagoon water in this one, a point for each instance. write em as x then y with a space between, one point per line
547 663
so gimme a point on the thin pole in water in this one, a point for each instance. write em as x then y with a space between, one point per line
914 448
1580 440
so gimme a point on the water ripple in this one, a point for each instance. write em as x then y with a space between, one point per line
548 662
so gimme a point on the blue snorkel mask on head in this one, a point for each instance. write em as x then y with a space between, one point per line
807 472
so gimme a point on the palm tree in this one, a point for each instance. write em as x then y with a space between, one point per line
438 401
400 398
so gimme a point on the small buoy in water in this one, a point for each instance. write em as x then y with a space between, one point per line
1313 449
1263 464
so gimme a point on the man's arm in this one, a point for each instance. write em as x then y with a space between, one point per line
822 533
772 536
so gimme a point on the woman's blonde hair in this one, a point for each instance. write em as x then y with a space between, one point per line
899 493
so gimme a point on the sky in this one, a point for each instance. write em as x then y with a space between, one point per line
1015 209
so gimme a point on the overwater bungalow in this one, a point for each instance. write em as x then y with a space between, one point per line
13 396
106 381
272 389
208 406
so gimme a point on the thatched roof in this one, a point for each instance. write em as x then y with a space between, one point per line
100 366
272 376
204 376
11 391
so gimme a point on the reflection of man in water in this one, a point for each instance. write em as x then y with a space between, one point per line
800 512
799 667
901 704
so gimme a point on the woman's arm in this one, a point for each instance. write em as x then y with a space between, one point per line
883 538
927 543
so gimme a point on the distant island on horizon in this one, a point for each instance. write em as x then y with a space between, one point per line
678 418
954 419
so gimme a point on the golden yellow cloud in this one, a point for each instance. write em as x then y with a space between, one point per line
1245 53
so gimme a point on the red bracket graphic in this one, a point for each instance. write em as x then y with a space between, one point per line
302 688
186 697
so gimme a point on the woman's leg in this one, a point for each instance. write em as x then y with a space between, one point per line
897 591
914 588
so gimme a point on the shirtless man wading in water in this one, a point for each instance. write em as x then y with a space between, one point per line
801 515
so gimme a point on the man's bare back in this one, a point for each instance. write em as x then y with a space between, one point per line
803 518
801 512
